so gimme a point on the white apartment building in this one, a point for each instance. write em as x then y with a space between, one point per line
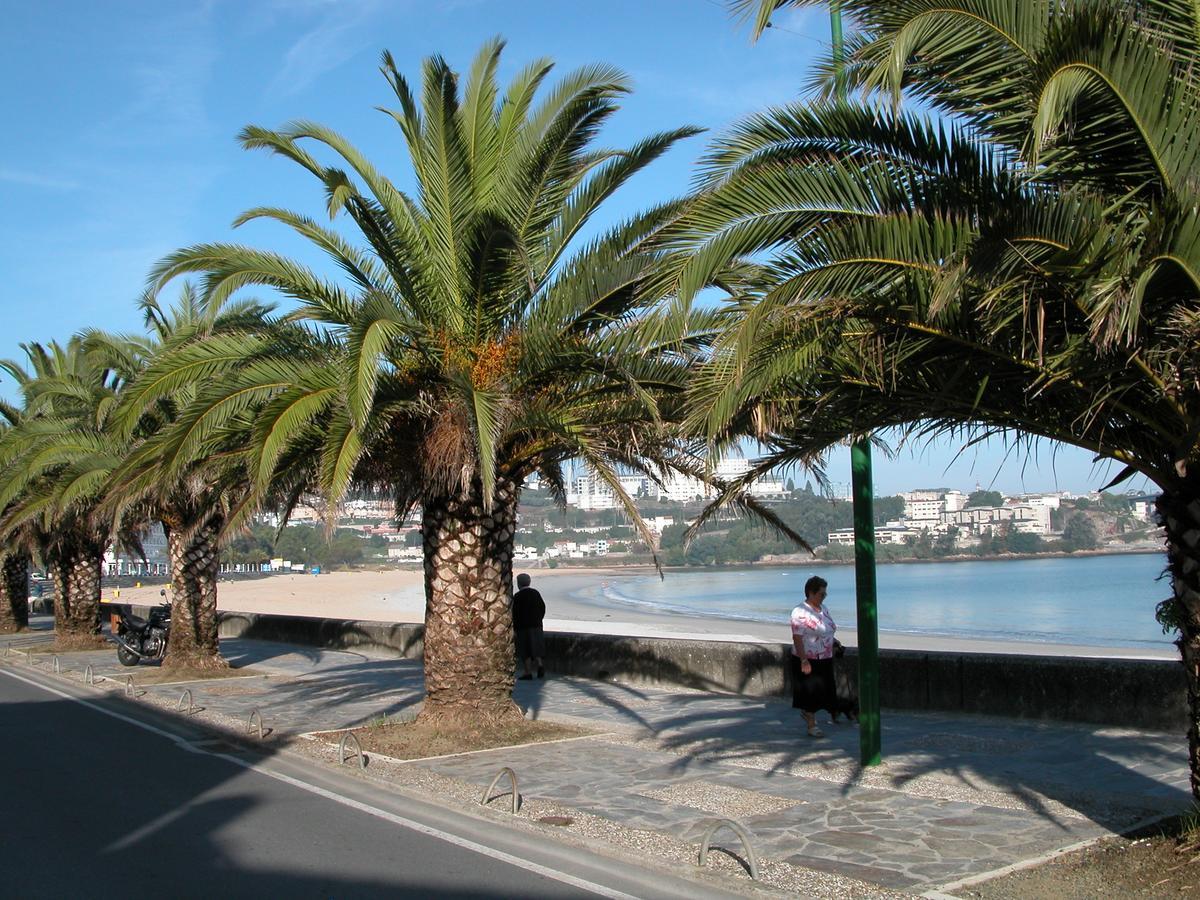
590 491
737 466
679 488
1143 507
1021 517
658 523
925 509
885 535
405 552
368 509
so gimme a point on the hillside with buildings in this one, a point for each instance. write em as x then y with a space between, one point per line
593 528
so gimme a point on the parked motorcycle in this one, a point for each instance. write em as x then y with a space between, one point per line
139 638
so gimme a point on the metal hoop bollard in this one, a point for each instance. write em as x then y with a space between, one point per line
130 690
255 714
350 735
740 830
516 797
57 667
179 703
89 677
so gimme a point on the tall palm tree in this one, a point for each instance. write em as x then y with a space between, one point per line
193 502
48 500
1027 261
14 592
478 337
14 558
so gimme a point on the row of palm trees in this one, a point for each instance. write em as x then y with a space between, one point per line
1022 260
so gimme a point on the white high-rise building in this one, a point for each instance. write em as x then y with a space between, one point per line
590 491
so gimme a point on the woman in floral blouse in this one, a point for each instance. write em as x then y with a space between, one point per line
813 628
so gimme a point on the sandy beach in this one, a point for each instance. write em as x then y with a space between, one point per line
397 595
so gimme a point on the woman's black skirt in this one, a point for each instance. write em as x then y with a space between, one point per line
816 690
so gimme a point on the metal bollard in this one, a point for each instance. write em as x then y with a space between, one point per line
740 830
57 667
255 714
130 690
350 735
179 703
89 677
512 776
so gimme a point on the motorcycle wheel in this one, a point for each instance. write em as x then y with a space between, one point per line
126 657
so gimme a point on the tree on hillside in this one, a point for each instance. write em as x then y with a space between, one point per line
984 499
1022 542
946 543
476 339
1027 262
1080 533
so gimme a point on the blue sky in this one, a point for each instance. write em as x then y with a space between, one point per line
122 116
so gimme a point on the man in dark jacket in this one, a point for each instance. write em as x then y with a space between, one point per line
528 610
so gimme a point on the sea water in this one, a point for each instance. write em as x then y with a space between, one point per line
1103 600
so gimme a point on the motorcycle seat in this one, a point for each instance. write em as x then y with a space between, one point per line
135 621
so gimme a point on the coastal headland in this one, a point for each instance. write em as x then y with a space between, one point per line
397 595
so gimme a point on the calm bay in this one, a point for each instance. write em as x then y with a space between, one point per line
1099 601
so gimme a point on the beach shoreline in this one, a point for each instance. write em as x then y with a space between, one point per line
398 596
796 559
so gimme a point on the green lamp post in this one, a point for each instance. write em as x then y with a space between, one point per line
869 739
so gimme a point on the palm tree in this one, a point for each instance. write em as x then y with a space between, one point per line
14 592
478 337
14 558
1026 262
193 502
47 498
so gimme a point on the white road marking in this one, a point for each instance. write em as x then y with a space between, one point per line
446 836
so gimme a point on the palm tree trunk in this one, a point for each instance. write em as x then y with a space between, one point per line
14 593
76 572
1179 513
468 615
195 564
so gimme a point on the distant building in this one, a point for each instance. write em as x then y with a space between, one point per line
885 535
590 491
1020 517
156 561
926 509
1142 506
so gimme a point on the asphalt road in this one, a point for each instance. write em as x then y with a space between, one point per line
96 806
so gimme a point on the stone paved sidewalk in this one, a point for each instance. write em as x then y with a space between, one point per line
954 798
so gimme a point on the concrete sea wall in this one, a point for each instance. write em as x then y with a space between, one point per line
1148 694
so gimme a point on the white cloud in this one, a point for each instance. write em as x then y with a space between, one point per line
339 35
34 179
170 65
